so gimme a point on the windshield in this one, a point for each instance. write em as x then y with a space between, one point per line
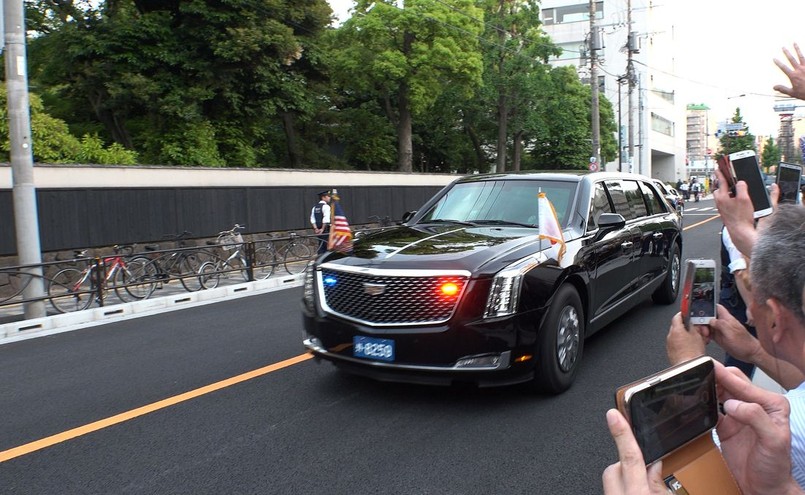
502 202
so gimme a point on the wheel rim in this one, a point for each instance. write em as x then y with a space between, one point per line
675 273
567 338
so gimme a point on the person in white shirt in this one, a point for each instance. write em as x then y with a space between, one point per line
320 220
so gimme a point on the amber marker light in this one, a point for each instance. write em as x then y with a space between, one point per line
523 358
449 289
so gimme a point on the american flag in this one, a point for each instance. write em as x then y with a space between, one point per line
340 233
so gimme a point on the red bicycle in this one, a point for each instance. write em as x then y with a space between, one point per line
72 289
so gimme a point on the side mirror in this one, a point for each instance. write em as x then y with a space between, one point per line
408 215
609 221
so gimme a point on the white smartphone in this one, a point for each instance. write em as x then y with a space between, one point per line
788 179
745 167
700 294
669 409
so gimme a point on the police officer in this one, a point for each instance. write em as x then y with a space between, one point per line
320 220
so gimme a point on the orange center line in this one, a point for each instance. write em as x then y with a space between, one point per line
147 409
701 223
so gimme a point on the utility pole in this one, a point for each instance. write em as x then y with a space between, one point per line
631 45
26 220
595 46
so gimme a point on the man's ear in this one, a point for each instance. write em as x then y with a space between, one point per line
781 318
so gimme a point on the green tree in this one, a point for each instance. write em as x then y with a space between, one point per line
736 140
771 154
406 57
516 52
53 143
188 82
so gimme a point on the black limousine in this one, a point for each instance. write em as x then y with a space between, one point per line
466 290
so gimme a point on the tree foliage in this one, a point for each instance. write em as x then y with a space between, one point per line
771 154
739 140
421 85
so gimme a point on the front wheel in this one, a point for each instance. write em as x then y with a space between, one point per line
561 342
297 255
209 275
264 262
136 280
69 290
667 292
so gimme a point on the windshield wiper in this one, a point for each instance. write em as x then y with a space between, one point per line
505 222
447 220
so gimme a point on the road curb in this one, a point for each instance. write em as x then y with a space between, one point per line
50 325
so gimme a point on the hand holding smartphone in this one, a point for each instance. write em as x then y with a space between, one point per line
744 167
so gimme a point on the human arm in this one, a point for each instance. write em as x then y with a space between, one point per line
755 435
629 476
795 73
737 213
732 336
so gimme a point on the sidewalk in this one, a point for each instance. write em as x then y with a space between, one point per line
13 328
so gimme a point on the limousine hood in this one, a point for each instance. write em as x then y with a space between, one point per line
448 246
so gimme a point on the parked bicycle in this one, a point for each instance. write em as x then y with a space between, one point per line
293 256
211 272
12 283
72 289
184 263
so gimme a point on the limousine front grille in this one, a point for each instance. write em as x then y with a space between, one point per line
392 297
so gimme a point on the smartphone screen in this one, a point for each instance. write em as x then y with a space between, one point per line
703 295
747 169
676 410
788 178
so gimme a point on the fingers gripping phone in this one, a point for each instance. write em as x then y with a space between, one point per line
672 414
789 177
745 167
668 409
699 294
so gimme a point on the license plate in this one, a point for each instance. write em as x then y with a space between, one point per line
371 348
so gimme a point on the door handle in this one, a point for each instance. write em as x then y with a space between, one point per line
627 245
658 235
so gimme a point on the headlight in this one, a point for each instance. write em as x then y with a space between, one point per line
504 294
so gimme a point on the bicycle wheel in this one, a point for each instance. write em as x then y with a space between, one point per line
12 284
69 290
209 275
189 268
265 260
296 257
136 280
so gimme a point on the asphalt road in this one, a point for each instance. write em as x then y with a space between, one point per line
100 410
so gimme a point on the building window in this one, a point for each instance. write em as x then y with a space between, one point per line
661 125
571 13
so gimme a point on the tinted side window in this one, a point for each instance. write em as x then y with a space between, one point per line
599 204
652 198
619 200
635 197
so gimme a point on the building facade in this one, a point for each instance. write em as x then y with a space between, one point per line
644 34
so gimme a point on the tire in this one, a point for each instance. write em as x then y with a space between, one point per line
265 260
561 342
209 275
12 284
669 290
296 257
137 280
189 268
68 292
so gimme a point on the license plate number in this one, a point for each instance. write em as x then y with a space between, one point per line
371 348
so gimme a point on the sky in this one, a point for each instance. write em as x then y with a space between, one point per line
724 51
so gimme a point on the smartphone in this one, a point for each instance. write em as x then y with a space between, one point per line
725 168
671 408
746 168
699 293
789 177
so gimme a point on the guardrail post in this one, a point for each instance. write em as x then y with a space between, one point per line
249 247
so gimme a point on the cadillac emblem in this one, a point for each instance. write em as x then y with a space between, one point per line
374 289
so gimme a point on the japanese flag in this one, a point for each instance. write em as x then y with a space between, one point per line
549 227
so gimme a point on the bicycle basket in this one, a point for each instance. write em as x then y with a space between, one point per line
230 241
